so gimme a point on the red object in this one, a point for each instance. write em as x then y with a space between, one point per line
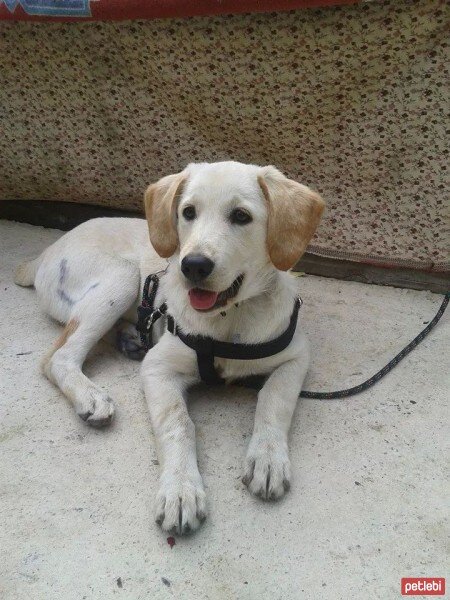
171 542
423 586
117 10
202 299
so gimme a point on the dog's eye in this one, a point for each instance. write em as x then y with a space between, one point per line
240 216
189 213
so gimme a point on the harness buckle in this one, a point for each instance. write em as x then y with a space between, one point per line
153 317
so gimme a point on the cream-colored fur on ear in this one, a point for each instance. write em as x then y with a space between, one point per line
294 213
160 210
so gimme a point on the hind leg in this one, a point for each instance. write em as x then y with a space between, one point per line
128 341
90 319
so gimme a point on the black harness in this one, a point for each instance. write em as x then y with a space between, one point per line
207 348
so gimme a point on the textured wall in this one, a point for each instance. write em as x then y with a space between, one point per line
350 100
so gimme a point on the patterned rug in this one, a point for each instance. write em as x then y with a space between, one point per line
350 100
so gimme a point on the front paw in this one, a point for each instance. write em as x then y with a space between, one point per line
180 502
267 469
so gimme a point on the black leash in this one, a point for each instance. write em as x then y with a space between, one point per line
207 348
147 314
385 370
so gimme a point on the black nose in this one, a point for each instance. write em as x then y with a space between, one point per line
196 267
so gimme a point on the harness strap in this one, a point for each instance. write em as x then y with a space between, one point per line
205 362
207 345
206 348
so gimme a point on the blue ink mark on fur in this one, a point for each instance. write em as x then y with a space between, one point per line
63 272
92 287
62 294
62 276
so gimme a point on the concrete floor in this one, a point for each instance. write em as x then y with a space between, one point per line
367 504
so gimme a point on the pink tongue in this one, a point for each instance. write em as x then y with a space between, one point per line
202 299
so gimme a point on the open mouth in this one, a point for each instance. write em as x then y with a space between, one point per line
207 300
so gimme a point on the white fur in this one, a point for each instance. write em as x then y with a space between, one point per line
93 276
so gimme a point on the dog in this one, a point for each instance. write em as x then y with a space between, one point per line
223 236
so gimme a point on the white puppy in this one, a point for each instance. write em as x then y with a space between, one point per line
229 231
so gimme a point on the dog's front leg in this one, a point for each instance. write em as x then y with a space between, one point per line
180 500
267 470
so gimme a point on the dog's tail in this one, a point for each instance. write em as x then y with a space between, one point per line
26 272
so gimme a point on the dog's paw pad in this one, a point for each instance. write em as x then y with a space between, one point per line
267 470
181 505
97 409
129 343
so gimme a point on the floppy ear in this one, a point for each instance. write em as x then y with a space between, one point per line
160 210
294 213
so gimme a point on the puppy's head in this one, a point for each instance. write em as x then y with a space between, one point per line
228 225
